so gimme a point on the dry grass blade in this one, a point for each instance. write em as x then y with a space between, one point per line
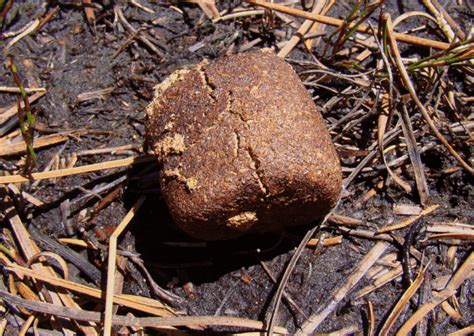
286 275
31 27
21 147
49 244
336 22
145 305
305 26
153 322
370 258
396 311
13 109
463 332
409 85
3 325
371 328
382 124
51 255
109 297
406 222
449 20
441 21
13 89
443 236
464 272
30 250
317 27
26 325
382 280
76 170
455 315
415 157
451 227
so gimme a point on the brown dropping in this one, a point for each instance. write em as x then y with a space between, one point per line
243 148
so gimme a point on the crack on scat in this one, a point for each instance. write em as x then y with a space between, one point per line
236 138
219 121
229 108
206 81
255 164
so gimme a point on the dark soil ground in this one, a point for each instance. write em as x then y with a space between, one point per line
70 57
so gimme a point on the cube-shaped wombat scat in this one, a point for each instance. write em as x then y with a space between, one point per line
242 148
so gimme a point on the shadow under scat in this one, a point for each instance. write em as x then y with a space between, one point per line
167 251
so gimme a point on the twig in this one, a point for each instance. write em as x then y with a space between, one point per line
316 319
396 311
407 222
297 37
336 22
286 275
21 147
72 256
131 29
153 322
157 290
371 328
142 304
464 272
112 150
286 296
76 170
415 157
409 85
12 89
111 265
440 20
30 249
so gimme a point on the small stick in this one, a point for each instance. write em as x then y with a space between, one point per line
317 27
14 89
142 304
336 22
409 220
109 298
21 147
440 20
409 85
464 273
127 320
464 331
296 38
449 20
397 310
76 170
361 269
371 329
286 275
